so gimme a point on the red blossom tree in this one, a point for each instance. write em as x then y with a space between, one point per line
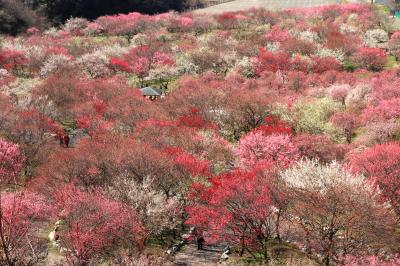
273 125
235 208
12 60
339 93
381 164
322 64
231 20
137 61
394 44
269 61
278 35
192 120
188 162
336 40
373 59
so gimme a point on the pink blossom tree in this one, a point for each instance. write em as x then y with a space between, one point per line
256 147
348 122
93 225
320 147
20 216
20 212
339 93
12 162
383 111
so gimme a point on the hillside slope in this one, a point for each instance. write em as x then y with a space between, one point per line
269 4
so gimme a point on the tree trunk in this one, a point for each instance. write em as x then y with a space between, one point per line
251 253
326 261
241 247
265 249
278 221
3 240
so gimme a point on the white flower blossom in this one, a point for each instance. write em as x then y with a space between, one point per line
375 37
309 36
245 67
74 24
326 52
273 46
309 174
53 63
185 66
95 64
347 29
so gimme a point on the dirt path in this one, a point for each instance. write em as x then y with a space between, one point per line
53 257
190 256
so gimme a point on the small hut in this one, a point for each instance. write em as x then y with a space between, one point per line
152 93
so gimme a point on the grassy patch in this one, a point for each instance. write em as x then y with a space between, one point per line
349 66
391 62
383 8
279 253
68 124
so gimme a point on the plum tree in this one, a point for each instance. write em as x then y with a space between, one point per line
337 213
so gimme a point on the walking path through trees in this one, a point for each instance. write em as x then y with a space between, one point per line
190 256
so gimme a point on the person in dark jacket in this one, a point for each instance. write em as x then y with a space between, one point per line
200 241
64 139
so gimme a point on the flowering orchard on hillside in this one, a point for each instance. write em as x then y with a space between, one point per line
278 136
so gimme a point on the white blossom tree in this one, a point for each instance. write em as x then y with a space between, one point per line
336 213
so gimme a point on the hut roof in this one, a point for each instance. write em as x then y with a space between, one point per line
151 91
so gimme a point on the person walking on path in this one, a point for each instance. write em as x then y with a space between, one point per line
200 242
